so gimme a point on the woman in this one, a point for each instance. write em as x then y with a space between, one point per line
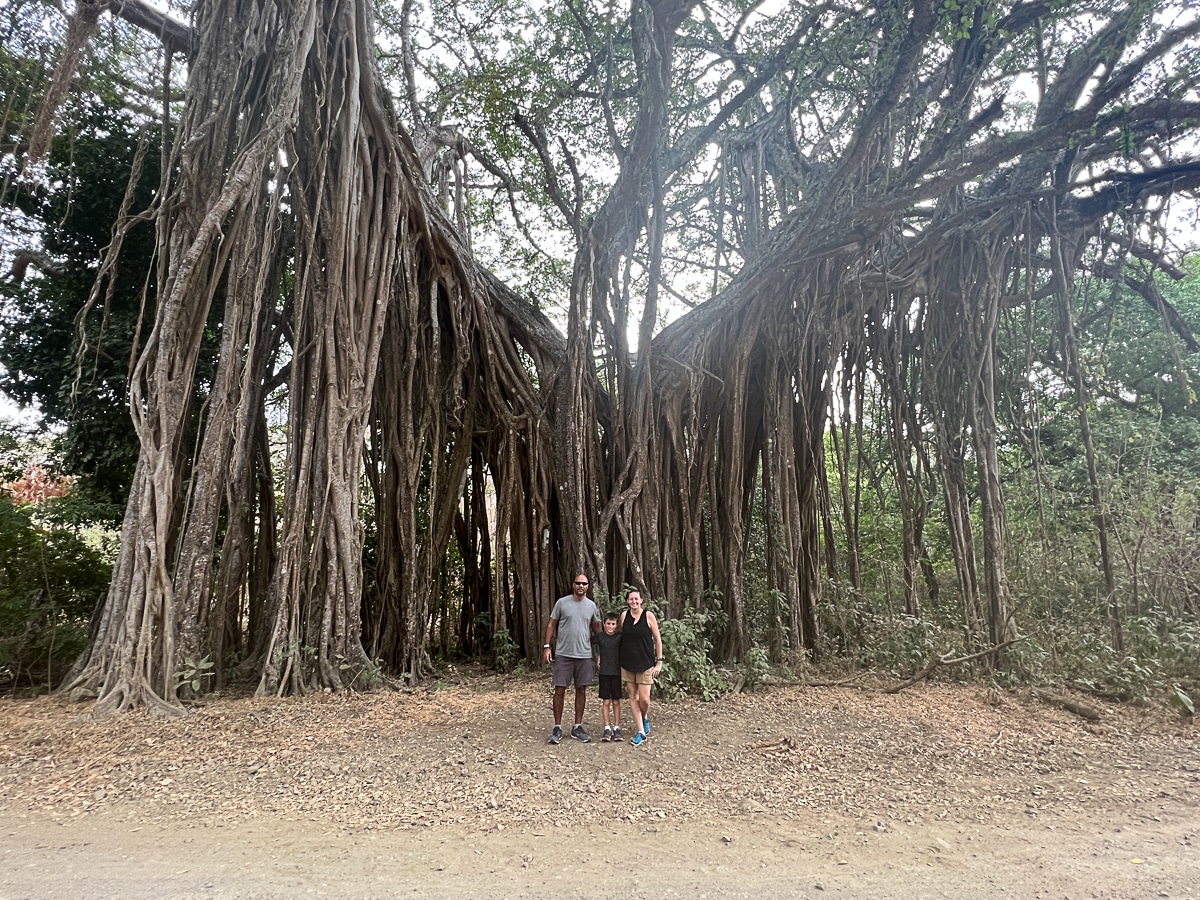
641 660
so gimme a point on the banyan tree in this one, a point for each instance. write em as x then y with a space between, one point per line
748 212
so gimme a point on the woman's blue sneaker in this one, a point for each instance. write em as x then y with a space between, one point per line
646 725
638 739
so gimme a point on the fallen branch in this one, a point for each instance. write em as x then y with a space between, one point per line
1085 712
945 660
844 681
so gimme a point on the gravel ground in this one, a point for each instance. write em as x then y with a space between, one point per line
468 758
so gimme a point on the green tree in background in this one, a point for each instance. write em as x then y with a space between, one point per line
66 351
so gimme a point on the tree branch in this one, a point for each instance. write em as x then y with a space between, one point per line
944 660
23 258
177 37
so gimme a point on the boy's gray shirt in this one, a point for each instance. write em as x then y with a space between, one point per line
575 617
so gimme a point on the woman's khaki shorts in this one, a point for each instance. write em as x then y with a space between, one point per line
646 677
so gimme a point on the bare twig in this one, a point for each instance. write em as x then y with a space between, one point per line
783 745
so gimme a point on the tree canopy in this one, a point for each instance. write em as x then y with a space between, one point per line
448 302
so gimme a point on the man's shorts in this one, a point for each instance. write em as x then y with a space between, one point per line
568 668
610 687
646 677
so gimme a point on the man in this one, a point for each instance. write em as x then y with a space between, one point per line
573 621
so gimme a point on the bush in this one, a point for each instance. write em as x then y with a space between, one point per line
686 646
1162 657
1161 654
899 643
505 652
50 582
755 668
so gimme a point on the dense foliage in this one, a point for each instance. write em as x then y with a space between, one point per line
50 577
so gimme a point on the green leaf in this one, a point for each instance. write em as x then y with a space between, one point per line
1181 701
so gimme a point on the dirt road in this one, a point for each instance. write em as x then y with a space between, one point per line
791 793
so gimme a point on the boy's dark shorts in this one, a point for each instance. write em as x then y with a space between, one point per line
610 687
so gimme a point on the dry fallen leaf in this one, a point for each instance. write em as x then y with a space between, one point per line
397 760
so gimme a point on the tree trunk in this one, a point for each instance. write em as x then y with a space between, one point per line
229 140
349 189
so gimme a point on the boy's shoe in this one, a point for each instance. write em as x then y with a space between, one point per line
580 735
555 735
646 725
638 739
616 735
607 734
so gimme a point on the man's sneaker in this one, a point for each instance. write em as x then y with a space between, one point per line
555 735
616 735
607 734
646 725
580 735
638 739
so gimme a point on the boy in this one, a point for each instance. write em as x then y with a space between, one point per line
608 646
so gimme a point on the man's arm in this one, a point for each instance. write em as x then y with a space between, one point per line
551 630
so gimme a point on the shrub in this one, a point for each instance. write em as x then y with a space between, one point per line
686 646
755 668
50 582
505 652
899 643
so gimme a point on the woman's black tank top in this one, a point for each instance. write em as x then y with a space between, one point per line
637 643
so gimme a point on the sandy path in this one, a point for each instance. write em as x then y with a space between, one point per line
794 793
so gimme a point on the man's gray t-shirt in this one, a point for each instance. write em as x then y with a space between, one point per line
575 618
